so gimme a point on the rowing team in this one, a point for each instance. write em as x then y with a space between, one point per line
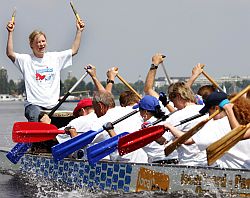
180 104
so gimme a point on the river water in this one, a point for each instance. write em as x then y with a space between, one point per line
15 185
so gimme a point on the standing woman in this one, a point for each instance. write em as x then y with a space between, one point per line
41 69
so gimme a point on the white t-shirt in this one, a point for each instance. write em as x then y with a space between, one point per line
155 151
237 157
42 76
131 124
188 154
81 124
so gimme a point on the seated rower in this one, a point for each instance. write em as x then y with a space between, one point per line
105 115
232 116
184 100
150 111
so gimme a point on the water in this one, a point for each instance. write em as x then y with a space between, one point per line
16 185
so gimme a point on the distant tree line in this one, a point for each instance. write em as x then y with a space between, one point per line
12 88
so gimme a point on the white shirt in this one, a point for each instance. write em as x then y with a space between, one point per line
42 76
155 151
81 124
237 157
131 124
188 154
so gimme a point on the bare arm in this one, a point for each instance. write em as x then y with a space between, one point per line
177 133
9 48
76 43
149 83
247 134
228 108
73 132
92 72
197 70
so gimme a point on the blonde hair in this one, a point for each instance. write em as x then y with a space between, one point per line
33 35
181 89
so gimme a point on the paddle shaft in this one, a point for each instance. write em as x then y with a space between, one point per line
218 148
125 83
165 72
13 16
66 95
212 81
124 117
75 12
178 141
163 118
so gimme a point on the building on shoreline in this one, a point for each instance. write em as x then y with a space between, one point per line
234 81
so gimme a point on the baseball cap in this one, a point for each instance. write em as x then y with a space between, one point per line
86 102
147 103
213 99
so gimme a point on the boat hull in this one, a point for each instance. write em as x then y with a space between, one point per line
127 177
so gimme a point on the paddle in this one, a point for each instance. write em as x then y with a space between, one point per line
27 132
67 94
178 141
13 16
64 149
165 71
17 152
141 138
75 12
218 148
212 81
108 146
125 83
14 154
104 148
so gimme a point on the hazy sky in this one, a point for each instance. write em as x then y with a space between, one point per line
127 33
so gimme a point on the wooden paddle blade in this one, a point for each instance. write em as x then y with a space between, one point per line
103 149
139 139
17 152
218 148
34 132
66 148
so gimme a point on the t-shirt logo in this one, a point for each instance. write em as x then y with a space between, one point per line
45 77
39 76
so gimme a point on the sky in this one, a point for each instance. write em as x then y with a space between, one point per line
126 34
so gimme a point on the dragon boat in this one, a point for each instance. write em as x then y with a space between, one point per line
130 177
